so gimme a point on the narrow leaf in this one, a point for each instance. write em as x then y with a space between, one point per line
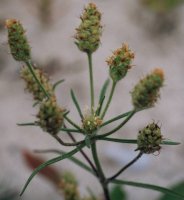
72 158
66 113
170 143
133 141
70 130
100 106
102 96
50 162
76 103
177 188
57 83
149 186
103 90
116 118
128 141
27 124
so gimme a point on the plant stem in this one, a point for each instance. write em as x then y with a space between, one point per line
106 191
101 177
29 65
109 100
125 167
91 80
97 162
67 144
84 154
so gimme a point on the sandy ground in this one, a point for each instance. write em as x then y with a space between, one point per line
53 48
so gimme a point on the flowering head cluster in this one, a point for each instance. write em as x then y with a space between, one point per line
33 87
149 139
50 116
69 186
17 40
89 32
146 92
91 122
120 62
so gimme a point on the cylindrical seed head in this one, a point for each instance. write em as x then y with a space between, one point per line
17 41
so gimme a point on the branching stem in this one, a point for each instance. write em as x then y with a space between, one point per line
125 167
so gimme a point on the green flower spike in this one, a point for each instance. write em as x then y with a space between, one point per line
146 92
120 62
33 87
69 186
17 40
90 30
149 139
50 116
91 122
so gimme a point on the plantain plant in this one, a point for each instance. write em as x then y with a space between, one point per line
54 119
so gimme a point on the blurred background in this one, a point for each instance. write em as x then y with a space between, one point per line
153 29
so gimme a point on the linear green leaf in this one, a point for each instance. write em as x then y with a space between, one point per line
50 162
116 118
121 116
72 158
57 83
103 90
170 143
100 106
129 141
149 186
76 103
102 96
72 123
27 124
133 141
178 187
70 130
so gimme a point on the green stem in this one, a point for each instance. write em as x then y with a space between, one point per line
97 162
91 80
101 175
83 153
109 100
29 65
